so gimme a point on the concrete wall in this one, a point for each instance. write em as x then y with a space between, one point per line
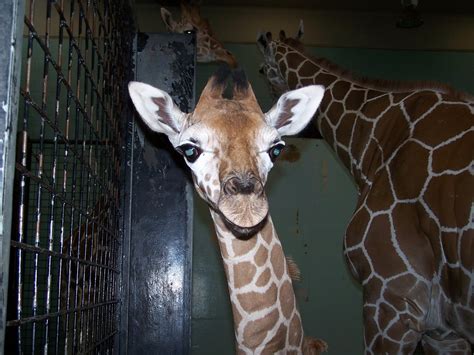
329 28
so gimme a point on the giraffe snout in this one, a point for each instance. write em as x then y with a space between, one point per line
244 184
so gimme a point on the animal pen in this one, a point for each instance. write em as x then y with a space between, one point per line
77 187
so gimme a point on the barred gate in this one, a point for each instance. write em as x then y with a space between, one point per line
66 236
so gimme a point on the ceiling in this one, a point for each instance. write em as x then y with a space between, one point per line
425 6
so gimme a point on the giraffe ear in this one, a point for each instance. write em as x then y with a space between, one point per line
168 19
294 109
157 109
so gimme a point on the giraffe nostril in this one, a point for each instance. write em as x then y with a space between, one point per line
230 187
244 185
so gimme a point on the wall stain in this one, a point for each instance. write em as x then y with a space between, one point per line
324 174
297 222
290 154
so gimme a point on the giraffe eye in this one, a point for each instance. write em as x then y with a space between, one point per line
275 151
189 152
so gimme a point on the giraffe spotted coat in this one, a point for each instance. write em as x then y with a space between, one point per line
410 242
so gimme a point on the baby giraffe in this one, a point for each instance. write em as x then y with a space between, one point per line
230 145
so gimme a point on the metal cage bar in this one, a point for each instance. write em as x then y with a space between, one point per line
66 238
11 11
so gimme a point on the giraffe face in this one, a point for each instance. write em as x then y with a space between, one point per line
230 145
208 48
276 82
270 68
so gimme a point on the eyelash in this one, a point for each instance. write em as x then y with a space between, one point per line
189 151
275 151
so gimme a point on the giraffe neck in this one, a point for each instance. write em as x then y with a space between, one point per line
349 113
265 315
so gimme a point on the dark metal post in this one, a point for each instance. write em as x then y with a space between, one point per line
156 281
11 15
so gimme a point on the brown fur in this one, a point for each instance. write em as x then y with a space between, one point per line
378 84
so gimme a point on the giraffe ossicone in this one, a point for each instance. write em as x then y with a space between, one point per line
230 146
409 148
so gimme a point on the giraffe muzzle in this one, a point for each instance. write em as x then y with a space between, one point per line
243 205
244 233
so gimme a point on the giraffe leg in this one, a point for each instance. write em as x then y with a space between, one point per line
451 344
387 331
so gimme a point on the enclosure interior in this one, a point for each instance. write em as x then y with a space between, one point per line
66 243
311 195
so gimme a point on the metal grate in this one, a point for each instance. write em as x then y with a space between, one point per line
64 272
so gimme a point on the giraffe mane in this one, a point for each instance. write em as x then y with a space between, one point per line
382 84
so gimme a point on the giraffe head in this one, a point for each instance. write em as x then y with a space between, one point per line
269 68
209 49
229 144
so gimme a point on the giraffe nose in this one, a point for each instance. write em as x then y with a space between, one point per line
244 184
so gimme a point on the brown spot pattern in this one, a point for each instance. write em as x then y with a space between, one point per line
242 247
412 162
256 331
264 278
292 79
307 70
442 123
389 262
277 343
391 130
380 197
267 233
325 79
334 112
253 301
295 331
244 273
414 245
354 100
287 299
356 228
278 261
361 135
344 130
452 156
374 108
261 256
372 290
340 89
418 105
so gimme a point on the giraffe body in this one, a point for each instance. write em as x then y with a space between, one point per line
410 242
230 146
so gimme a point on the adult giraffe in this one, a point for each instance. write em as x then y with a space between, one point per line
208 47
410 242
230 146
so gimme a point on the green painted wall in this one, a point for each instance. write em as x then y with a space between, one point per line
311 201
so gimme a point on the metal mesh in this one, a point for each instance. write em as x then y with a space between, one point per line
64 272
